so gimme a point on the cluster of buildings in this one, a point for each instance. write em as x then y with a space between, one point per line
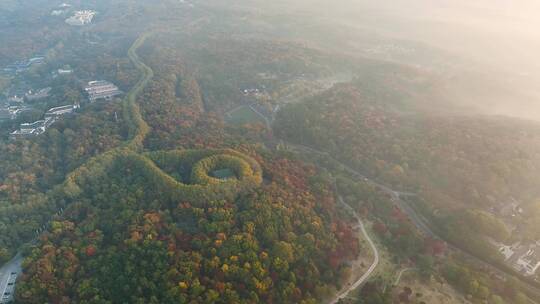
95 90
32 95
62 72
81 18
101 89
61 10
21 66
507 209
14 103
10 112
40 126
29 95
523 258
32 129
254 92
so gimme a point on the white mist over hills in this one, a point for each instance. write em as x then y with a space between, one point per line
489 50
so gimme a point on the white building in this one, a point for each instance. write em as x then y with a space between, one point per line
62 110
507 251
10 112
529 262
64 71
33 129
81 18
101 89
16 98
40 94
523 258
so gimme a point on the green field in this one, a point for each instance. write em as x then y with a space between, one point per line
244 115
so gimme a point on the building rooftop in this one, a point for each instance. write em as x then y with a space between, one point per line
81 18
42 93
57 111
101 89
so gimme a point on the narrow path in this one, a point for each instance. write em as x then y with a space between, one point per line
266 121
367 274
400 274
138 128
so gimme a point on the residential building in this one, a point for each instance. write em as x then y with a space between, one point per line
512 208
9 112
529 262
523 258
62 110
101 89
64 71
507 251
40 94
40 126
81 18
36 60
21 66
16 98
32 129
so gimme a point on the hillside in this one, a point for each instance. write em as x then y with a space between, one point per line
159 227
257 152
455 163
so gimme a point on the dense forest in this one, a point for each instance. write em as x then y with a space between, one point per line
160 197
450 158
461 166
148 228
127 238
32 167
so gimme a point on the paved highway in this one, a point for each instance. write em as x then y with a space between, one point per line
8 275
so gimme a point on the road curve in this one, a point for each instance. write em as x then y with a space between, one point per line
139 128
344 293
419 221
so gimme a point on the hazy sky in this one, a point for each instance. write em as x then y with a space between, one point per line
500 32
503 36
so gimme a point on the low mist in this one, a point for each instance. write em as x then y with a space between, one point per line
486 52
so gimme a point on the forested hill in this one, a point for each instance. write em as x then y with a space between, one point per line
189 188
460 160
462 167
129 238
163 227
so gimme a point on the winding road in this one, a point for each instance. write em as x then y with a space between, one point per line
421 223
138 129
344 293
